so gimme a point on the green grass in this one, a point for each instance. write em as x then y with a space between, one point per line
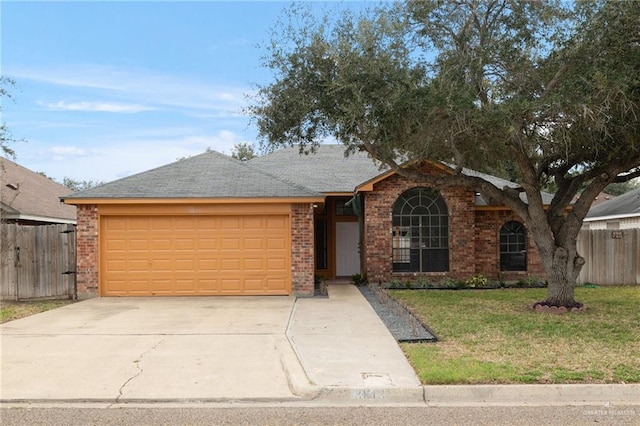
493 337
10 311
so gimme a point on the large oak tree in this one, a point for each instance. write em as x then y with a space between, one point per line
547 90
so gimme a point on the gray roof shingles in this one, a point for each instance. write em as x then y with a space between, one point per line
625 204
208 175
283 173
27 193
326 170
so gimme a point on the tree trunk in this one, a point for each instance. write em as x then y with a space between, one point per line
562 275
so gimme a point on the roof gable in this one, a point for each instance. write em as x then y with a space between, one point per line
208 175
26 195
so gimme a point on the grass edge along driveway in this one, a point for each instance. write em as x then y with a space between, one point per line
491 336
10 310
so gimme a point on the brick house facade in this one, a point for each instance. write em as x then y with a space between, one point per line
474 240
337 217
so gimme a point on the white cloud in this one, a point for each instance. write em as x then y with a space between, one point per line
98 107
63 153
142 87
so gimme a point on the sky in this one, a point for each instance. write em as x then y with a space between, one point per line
109 89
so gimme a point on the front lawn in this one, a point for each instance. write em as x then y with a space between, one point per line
491 336
10 311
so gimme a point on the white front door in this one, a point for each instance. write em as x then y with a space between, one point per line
347 250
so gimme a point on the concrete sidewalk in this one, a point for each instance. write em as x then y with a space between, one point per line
347 352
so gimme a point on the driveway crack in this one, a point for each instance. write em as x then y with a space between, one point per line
139 372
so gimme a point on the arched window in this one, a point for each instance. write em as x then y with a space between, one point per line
420 232
513 247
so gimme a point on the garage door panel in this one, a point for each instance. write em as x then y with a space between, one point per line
230 285
185 244
230 265
116 245
161 224
185 265
276 284
138 245
160 244
253 265
229 223
135 223
208 265
187 255
208 286
207 244
230 243
253 244
276 264
136 266
276 243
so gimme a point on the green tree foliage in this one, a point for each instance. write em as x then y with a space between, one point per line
80 185
546 92
243 151
6 137
621 188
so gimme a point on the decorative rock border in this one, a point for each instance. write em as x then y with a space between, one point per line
558 310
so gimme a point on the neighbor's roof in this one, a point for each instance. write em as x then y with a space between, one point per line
327 170
624 205
208 175
26 195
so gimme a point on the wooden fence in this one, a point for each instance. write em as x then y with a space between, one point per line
612 256
37 262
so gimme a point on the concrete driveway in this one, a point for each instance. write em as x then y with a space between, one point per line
206 349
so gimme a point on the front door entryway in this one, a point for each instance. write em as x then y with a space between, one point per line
347 250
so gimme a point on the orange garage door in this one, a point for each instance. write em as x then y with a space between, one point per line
195 255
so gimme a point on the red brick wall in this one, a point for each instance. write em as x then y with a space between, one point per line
488 224
87 251
378 225
302 251
473 236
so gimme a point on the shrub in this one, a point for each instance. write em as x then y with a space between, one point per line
395 284
359 280
423 282
448 282
479 281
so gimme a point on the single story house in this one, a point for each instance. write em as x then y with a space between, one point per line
212 225
29 198
621 212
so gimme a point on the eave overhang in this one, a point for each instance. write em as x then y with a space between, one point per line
229 200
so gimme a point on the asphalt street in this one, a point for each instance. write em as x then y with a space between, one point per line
296 415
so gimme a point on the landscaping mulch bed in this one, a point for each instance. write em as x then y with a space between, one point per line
401 323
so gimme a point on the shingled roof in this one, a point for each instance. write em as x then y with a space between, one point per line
285 173
30 197
326 170
329 171
208 175
625 205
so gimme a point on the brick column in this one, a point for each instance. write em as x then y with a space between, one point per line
87 251
302 249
